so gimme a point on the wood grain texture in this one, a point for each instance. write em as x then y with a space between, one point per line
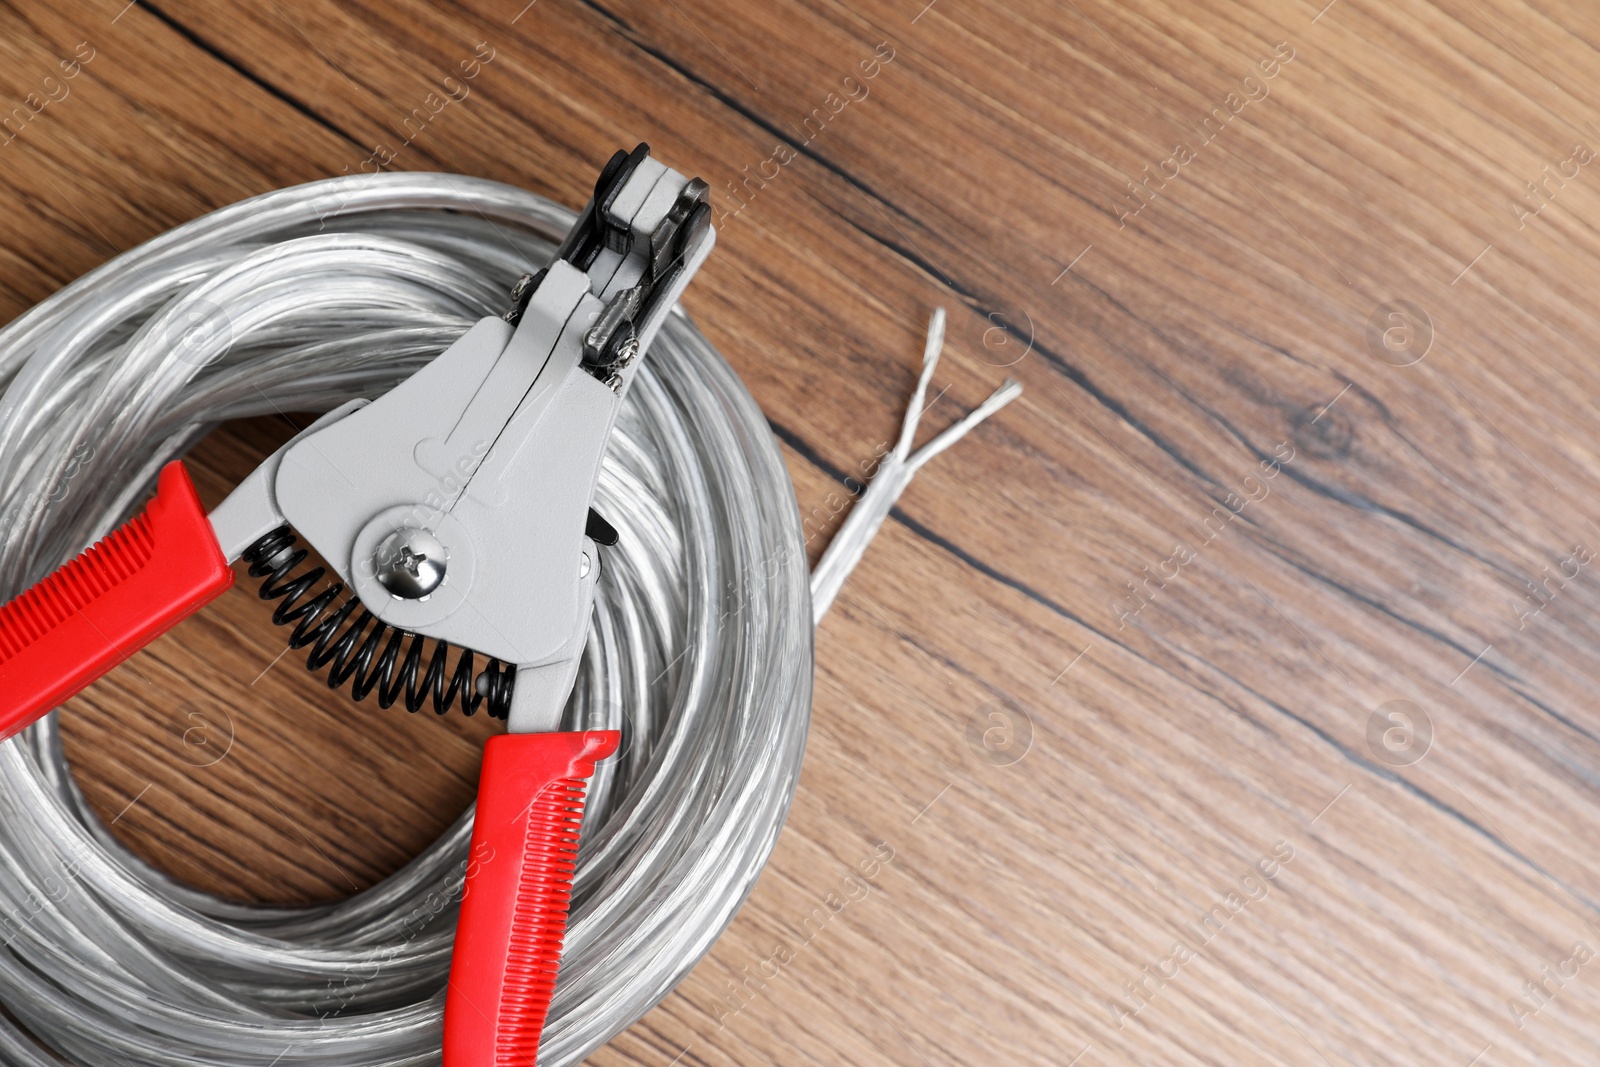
1100 714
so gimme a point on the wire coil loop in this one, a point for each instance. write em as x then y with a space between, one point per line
699 649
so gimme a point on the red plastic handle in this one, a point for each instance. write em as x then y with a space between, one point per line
518 890
118 596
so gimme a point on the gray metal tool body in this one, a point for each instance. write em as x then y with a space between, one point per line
455 505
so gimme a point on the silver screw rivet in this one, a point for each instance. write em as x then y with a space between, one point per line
583 566
410 563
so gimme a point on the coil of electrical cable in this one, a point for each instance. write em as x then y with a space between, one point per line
699 650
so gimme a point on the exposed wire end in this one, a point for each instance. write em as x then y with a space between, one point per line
894 475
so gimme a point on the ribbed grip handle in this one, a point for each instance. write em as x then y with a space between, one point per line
518 890
118 596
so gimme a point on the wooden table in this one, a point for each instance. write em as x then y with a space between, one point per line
1229 699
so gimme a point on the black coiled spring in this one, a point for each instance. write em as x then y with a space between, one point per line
354 652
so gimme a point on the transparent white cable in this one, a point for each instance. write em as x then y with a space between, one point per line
894 474
700 647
